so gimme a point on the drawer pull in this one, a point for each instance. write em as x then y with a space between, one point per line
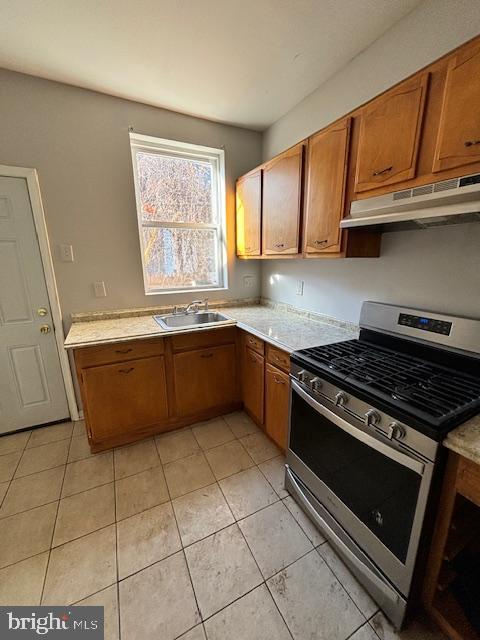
129 370
471 143
123 350
382 171
206 355
278 380
252 341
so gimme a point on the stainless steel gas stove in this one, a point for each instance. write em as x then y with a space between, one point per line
366 420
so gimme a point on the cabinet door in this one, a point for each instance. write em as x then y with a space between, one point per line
249 214
458 141
277 397
282 195
389 136
326 167
205 378
125 396
253 383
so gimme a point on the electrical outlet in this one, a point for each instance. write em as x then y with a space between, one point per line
248 282
299 290
99 288
66 253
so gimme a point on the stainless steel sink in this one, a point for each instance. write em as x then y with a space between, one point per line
189 320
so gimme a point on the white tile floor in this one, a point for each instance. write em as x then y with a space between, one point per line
187 535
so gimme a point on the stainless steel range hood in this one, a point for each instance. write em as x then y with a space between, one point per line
452 201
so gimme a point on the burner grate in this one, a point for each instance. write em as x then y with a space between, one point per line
428 390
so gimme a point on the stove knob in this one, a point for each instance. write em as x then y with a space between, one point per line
371 418
316 384
341 399
301 375
395 431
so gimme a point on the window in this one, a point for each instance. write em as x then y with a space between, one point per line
180 192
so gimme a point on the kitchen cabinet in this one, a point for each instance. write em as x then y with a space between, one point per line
133 389
390 129
282 202
277 398
253 366
458 141
125 396
205 379
249 214
325 197
456 532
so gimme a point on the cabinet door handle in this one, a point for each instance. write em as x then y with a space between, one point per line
321 241
278 380
380 172
248 248
471 143
279 245
206 355
130 369
123 350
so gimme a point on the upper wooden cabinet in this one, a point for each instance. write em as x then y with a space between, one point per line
282 200
390 128
458 141
326 172
249 214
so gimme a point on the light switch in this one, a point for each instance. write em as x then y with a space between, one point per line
66 253
99 288
248 282
299 291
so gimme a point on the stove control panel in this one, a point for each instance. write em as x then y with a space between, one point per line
426 324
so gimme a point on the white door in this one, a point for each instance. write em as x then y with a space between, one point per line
32 391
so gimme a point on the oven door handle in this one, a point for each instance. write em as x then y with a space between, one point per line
373 577
402 458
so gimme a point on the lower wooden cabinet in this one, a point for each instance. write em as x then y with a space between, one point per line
124 396
134 389
204 379
277 397
252 384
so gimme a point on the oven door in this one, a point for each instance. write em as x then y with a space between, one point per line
373 489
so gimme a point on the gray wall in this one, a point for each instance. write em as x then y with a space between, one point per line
78 141
436 268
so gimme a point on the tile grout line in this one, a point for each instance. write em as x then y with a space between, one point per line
254 559
117 584
55 522
182 550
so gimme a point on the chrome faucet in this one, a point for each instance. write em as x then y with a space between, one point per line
194 305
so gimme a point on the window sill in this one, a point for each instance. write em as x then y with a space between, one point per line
163 292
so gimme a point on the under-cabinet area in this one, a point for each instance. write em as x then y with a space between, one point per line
133 389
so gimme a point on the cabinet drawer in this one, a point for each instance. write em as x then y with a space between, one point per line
252 342
468 481
198 339
118 352
278 358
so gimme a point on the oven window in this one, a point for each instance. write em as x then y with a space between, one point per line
381 492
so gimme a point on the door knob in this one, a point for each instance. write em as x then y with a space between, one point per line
45 328
42 311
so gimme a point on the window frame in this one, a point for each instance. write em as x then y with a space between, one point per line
214 156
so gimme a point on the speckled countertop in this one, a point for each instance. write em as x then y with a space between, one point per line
465 439
287 329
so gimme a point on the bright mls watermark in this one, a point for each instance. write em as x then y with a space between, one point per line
59 623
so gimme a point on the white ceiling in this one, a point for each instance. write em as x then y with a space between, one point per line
244 62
